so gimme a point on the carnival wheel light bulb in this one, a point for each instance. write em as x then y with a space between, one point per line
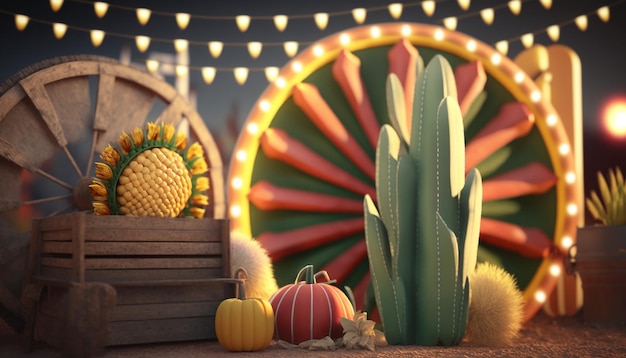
151 173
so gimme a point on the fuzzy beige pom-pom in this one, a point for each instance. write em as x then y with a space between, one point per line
248 254
496 307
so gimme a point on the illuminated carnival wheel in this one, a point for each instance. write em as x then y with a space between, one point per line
306 156
55 118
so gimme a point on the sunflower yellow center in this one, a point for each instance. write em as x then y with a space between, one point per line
155 183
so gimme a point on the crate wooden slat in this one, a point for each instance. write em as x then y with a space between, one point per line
165 272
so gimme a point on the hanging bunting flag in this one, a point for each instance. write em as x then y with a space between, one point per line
321 20
547 4
604 13
100 8
241 75
152 65
554 32
255 48
208 74
182 20
291 48
450 23
143 15
215 48
515 6
527 40
181 45
359 15
59 30
21 21
280 21
243 22
581 22
55 5
487 15
428 7
271 73
97 36
395 10
464 4
502 47
142 43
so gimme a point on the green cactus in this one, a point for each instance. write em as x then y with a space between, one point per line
422 238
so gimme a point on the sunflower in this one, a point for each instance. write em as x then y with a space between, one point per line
151 172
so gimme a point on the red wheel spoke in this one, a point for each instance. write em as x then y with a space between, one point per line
343 265
533 178
470 82
528 242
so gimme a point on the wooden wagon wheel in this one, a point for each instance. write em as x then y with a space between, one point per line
55 117
297 178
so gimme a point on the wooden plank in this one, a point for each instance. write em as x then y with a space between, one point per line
57 235
151 248
156 294
56 247
50 330
55 273
153 263
140 312
60 222
116 234
113 276
166 330
99 223
57 262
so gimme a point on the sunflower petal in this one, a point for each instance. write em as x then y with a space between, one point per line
103 171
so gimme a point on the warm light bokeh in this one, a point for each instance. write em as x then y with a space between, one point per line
614 116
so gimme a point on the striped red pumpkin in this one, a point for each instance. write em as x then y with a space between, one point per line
308 310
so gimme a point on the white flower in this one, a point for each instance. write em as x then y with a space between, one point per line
360 333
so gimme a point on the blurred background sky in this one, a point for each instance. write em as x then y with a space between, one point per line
601 47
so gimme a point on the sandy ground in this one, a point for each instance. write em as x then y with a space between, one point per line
543 336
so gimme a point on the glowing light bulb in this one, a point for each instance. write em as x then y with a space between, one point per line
255 48
182 20
519 77
241 155
252 128
471 45
344 39
450 23
555 270
208 74
535 96
375 32
581 22
100 8
487 15
264 105
567 242
97 36
236 183
152 65
554 32
296 66
143 15
318 50
564 148
55 5
515 6
235 211
528 40
405 30
142 43
428 7
551 120
243 22
395 10
359 15
291 48
181 45
572 209
496 58
59 30
464 4
321 20
280 21
271 73
241 75
181 70
570 178
604 13
547 4
280 82
540 296
439 35
215 48
502 47
21 21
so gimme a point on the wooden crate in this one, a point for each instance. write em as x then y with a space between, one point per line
165 274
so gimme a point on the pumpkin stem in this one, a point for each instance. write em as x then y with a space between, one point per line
240 277
308 272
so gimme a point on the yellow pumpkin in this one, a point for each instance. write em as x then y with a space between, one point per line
244 324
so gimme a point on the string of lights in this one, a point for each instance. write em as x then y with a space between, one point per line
291 48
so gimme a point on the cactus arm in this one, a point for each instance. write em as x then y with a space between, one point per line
386 171
471 213
388 291
396 107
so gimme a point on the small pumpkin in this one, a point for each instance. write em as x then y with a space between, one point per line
244 324
308 310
